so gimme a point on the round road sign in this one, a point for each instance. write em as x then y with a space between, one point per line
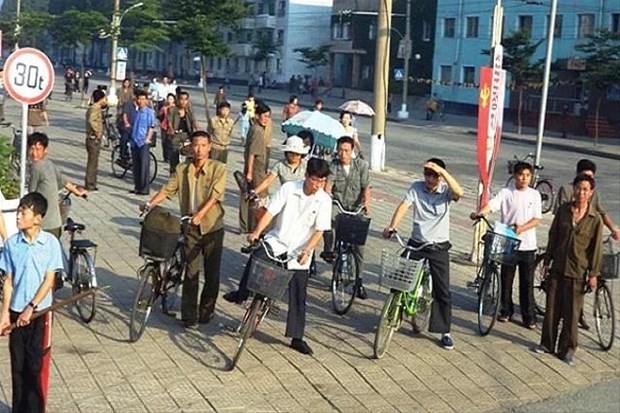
28 76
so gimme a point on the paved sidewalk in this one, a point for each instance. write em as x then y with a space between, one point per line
96 369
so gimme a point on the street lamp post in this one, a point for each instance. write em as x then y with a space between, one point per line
403 113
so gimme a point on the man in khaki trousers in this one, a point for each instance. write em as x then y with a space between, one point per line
94 134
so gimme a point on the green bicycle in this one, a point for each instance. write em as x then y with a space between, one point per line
411 293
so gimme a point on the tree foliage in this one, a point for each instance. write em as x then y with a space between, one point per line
314 58
264 47
74 27
10 6
602 54
142 28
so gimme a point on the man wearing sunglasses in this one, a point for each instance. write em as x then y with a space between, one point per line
431 199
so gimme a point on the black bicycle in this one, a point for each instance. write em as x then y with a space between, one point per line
351 231
542 184
110 132
499 248
121 162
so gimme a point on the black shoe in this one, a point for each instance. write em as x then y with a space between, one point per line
301 346
327 256
206 319
235 297
583 324
190 325
361 292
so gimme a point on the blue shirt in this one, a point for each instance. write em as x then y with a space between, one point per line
143 120
431 212
28 263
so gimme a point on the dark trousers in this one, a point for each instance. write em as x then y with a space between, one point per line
564 302
125 137
219 154
165 146
30 349
93 147
439 263
205 250
526 264
297 292
141 169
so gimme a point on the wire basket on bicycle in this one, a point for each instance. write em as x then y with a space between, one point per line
398 272
500 247
352 229
611 261
159 234
268 279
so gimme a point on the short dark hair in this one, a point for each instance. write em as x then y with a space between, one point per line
345 139
292 98
318 101
586 165
250 95
345 112
38 137
262 108
317 167
223 104
520 166
35 201
583 177
437 161
183 93
201 134
173 95
141 92
98 94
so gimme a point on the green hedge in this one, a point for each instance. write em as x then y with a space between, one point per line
9 180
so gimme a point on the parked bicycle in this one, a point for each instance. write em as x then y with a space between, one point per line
16 141
500 247
543 185
351 232
268 281
110 132
603 308
162 273
80 271
411 293
121 162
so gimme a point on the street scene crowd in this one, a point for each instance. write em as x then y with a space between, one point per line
322 176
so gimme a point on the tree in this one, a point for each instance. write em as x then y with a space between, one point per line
314 58
198 25
264 47
78 28
518 52
602 54
10 6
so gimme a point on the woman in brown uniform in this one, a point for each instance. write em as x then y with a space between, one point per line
574 251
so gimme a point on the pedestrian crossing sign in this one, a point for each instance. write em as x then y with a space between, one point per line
121 53
399 74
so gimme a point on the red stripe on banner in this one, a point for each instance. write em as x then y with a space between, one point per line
44 378
484 102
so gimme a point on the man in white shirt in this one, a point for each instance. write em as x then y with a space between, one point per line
303 211
521 207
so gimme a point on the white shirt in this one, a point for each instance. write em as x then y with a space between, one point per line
518 207
298 216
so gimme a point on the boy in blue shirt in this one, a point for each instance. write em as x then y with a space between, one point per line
30 259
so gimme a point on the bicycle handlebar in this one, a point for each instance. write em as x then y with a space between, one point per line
479 217
344 211
404 245
262 244
69 193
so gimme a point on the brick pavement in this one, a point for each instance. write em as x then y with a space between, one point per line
95 368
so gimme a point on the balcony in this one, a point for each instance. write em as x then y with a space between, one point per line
247 23
341 45
242 49
265 21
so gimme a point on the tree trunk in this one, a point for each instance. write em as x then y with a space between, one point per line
203 76
82 77
596 117
519 111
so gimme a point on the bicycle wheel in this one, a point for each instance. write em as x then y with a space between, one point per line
152 167
83 279
247 327
172 283
488 299
388 323
545 189
540 286
345 279
604 317
119 165
143 303
425 301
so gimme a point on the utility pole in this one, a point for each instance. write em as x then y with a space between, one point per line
115 28
18 27
381 81
404 114
545 88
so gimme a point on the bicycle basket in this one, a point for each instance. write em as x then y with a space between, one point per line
399 273
268 279
352 229
500 248
160 234
611 262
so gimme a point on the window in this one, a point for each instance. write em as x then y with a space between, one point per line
248 37
346 31
445 74
280 36
282 9
366 72
525 24
469 75
219 63
615 23
426 31
557 32
585 25
371 31
336 31
229 36
472 27
449 27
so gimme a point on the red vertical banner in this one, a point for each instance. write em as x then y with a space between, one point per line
484 102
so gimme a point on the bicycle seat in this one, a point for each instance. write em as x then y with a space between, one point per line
539 167
73 226
108 116
83 244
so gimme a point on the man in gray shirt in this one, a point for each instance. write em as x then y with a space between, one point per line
46 180
431 199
